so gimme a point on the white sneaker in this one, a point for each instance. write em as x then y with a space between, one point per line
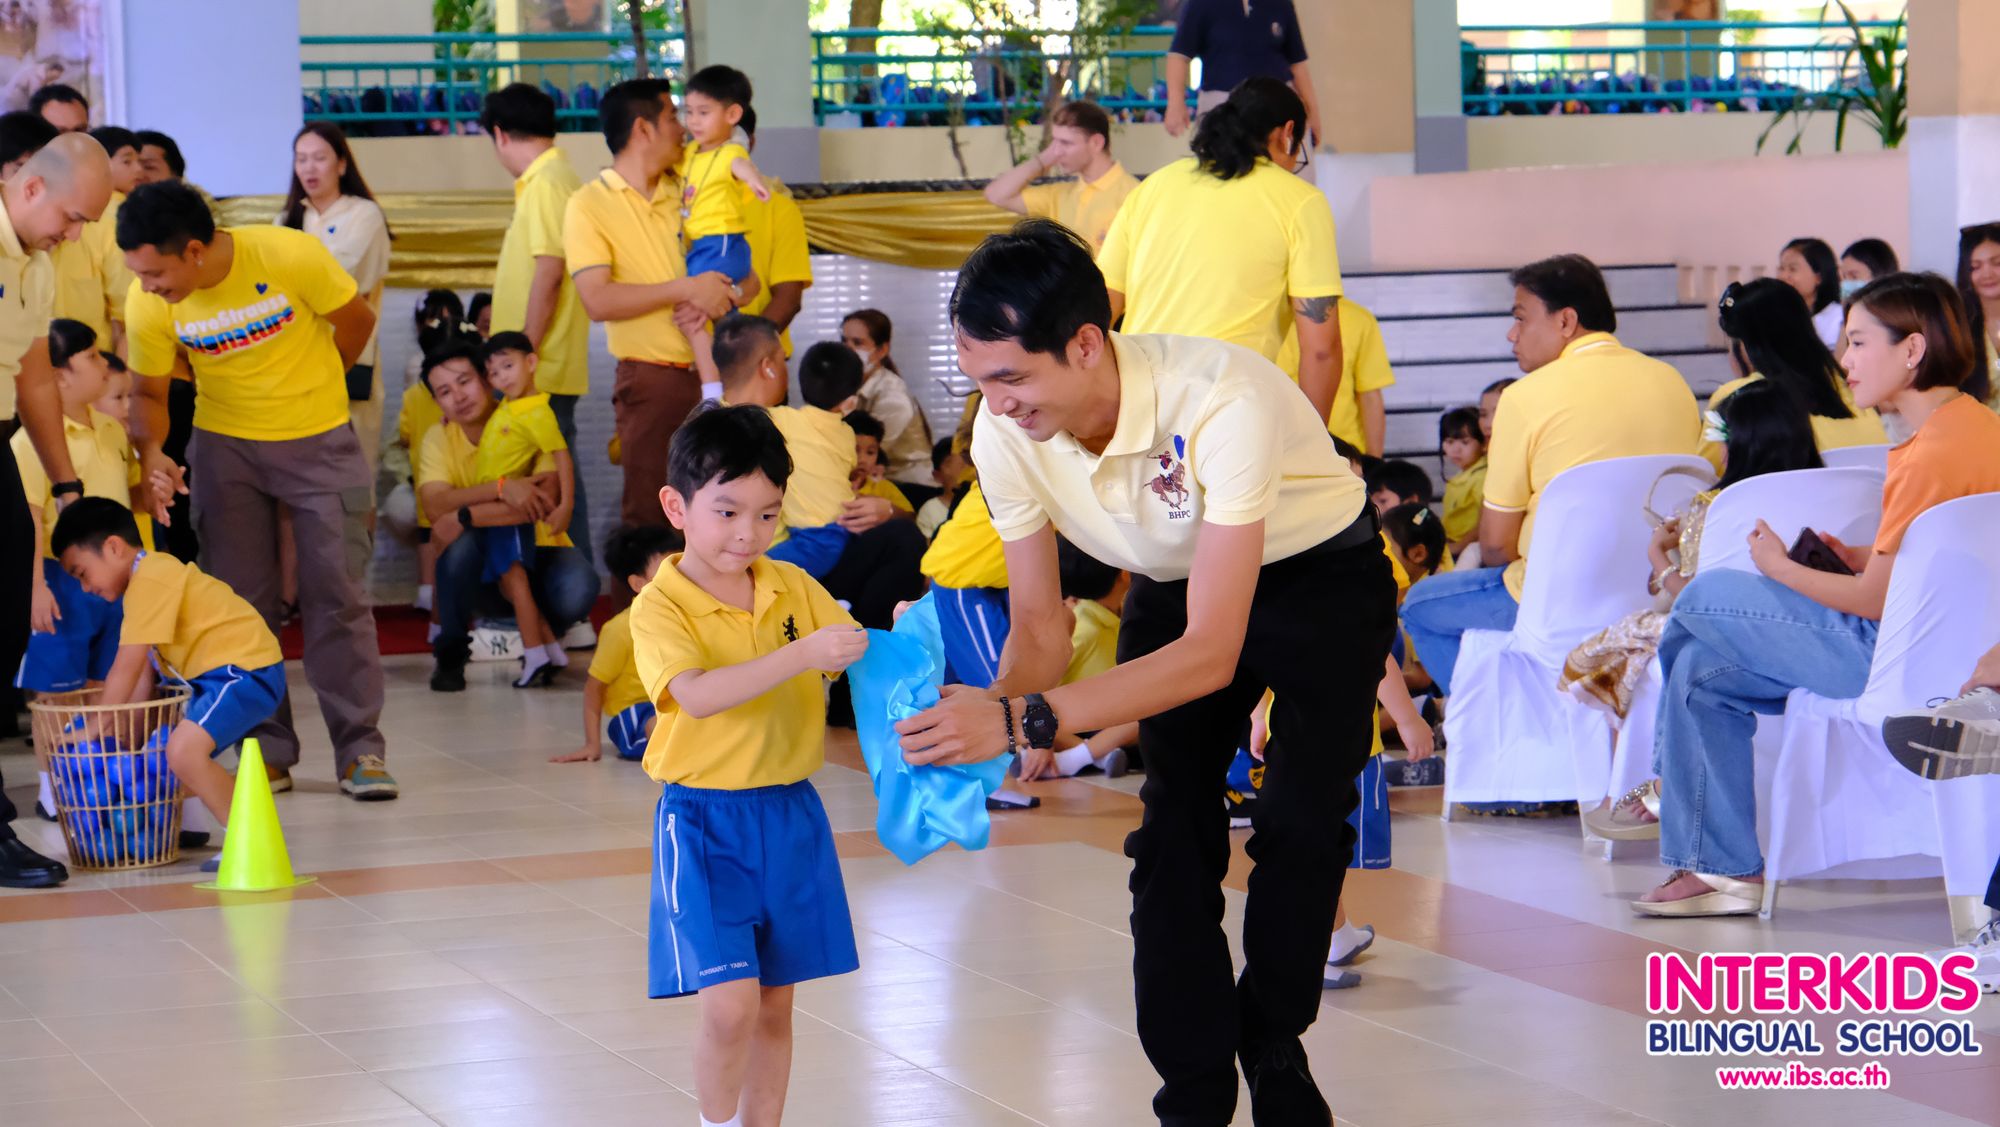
582 636
1951 740
1985 947
423 599
489 644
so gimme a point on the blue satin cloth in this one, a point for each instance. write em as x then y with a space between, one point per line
919 809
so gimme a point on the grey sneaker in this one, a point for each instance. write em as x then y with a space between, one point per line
369 780
1950 740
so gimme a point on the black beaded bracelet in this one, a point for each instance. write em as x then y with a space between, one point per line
1007 710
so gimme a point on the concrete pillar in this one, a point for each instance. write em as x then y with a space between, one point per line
1439 136
771 41
1954 138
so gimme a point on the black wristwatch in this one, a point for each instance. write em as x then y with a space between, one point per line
62 487
1038 722
465 516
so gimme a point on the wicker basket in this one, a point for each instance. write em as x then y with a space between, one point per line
118 804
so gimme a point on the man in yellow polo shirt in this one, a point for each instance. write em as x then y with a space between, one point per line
1359 415
1585 398
1256 564
268 323
1079 146
622 246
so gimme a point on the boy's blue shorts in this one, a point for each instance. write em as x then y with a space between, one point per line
85 642
728 255
628 730
229 700
745 885
814 550
1371 818
972 623
501 546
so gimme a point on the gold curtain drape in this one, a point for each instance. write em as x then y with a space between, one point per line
452 239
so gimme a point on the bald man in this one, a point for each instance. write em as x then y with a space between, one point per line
46 202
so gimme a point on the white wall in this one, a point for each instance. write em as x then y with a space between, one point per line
222 78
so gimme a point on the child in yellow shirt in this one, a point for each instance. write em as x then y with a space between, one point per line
734 649
867 478
633 555
1462 445
717 180
521 438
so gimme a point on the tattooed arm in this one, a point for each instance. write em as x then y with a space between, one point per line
1320 359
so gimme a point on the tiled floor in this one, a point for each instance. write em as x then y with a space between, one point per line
472 955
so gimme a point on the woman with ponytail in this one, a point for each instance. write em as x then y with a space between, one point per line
1229 244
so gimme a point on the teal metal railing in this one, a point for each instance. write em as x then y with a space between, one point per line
870 76
439 81
1670 66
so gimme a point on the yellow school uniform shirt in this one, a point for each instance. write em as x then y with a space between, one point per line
1598 400
770 740
414 419
1207 433
637 237
1084 206
1364 366
966 551
779 253
448 456
264 362
1864 429
91 278
194 621
822 450
1093 645
27 302
517 434
885 489
613 664
711 195
98 450
1205 257
541 195
1464 496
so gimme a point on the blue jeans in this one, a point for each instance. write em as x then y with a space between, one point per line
564 407
1441 608
564 583
1735 646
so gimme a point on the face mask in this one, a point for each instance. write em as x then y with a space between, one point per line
1849 287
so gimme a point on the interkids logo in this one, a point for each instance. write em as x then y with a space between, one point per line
1170 484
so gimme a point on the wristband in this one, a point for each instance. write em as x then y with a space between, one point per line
465 516
1007 710
62 487
500 488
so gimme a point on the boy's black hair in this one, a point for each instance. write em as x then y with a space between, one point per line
166 216
22 135
520 109
176 163
459 349
626 103
721 444
1571 281
739 339
630 548
1081 575
727 85
57 92
1404 479
113 361
829 375
940 454
865 425
1460 422
89 522
1413 524
114 138
68 339
509 341
1036 285
1348 450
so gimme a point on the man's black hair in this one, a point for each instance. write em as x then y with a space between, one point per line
57 92
114 138
1406 480
739 339
629 549
509 341
721 444
460 348
1082 575
627 102
727 85
176 163
89 522
940 454
829 375
865 425
1570 281
166 216
1035 285
22 135
521 109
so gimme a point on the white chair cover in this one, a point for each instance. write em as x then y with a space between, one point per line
1512 736
1867 457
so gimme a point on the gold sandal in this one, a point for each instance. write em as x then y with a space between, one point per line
1727 896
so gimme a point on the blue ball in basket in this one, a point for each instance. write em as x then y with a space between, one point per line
84 777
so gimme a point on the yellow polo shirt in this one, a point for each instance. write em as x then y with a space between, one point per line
779 252
1364 366
885 489
1084 206
517 434
775 738
1598 400
711 195
966 551
609 223
541 197
1204 257
101 454
822 450
1464 496
265 365
614 666
1093 645
1864 429
27 301
194 621
91 278
446 455
1207 433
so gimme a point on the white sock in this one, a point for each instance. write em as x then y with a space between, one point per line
712 391
423 598
45 793
1075 759
531 661
557 657
432 635
1346 938
732 1121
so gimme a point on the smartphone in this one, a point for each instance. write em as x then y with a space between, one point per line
1812 551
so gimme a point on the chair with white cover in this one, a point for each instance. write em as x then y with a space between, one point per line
1513 736
1866 457
1838 804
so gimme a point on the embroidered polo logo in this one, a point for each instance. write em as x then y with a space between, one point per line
262 287
791 629
1170 484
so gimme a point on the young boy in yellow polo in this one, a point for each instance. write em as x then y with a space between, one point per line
633 555
734 649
